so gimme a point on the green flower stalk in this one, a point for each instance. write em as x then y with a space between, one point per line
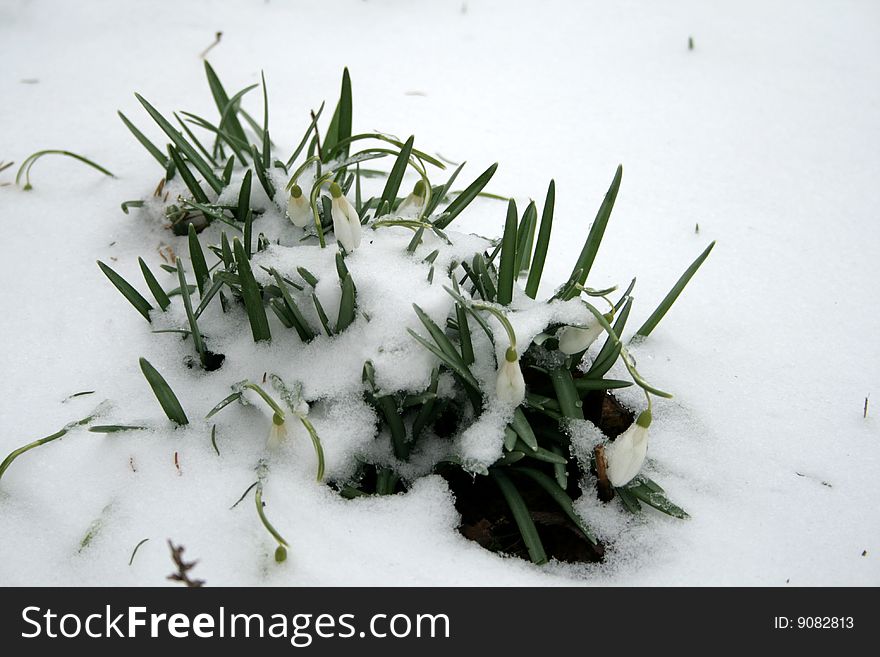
278 431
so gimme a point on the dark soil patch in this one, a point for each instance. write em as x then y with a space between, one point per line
486 517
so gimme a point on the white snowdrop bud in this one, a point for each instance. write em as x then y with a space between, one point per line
626 454
510 386
346 223
412 204
575 339
298 209
278 432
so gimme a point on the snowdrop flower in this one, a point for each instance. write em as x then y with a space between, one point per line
510 386
575 339
298 208
626 454
412 204
278 432
346 223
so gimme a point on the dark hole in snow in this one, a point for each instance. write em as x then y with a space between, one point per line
486 517
212 361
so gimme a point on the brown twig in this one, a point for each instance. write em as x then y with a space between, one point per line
183 567
166 252
606 490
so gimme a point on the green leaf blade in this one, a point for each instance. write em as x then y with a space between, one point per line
395 178
221 99
670 298
164 394
597 232
561 498
347 304
197 161
522 517
188 178
152 149
343 128
507 268
536 269
525 238
244 196
197 256
609 352
132 295
253 298
523 429
464 199
566 393
156 289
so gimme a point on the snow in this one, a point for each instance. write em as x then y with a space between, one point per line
766 135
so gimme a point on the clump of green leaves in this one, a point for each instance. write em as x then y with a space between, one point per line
551 382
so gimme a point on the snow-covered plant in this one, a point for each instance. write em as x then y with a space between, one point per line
492 374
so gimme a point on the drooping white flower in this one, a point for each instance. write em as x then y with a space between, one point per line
510 385
575 339
278 432
346 223
626 454
298 208
412 204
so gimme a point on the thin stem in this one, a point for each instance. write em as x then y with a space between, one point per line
25 168
21 450
379 136
603 294
511 335
42 441
313 201
266 397
258 497
316 442
317 136
301 169
405 223
625 356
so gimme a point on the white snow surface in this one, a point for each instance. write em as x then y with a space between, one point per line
767 135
